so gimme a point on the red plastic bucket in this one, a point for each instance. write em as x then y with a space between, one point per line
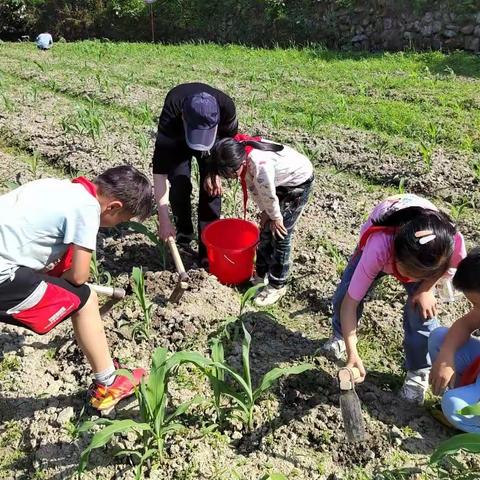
231 244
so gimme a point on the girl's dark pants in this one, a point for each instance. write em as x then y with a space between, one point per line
273 254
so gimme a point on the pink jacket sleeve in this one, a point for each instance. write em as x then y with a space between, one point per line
375 255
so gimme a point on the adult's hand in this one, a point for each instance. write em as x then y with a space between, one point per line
166 229
426 303
278 228
213 185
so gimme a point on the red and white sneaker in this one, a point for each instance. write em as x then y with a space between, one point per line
105 398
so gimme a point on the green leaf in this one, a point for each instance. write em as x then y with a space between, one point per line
274 476
141 228
470 442
248 296
470 410
273 375
89 424
103 436
247 340
183 407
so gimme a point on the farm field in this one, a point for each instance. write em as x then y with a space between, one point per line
373 125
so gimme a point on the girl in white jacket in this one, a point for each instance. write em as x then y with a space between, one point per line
279 179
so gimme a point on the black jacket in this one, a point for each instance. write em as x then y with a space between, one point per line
170 146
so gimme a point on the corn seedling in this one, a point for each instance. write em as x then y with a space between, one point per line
274 476
86 121
156 422
143 328
426 150
98 275
144 145
8 103
243 396
40 66
34 91
196 173
457 210
230 200
476 168
32 164
146 114
401 186
153 237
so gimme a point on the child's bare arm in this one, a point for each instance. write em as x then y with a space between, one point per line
80 270
441 374
348 318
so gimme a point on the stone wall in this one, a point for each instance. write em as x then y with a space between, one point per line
388 28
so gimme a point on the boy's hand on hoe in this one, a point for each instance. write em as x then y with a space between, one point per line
442 375
426 303
213 185
354 360
278 228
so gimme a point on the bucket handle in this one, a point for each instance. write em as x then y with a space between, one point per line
231 261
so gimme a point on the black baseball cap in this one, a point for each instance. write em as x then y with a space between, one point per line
201 115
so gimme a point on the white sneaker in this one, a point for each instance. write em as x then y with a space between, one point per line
269 295
256 280
334 348
415 386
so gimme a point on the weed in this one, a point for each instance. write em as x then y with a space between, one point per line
34 91
97 274
10 363
334 253
401 186
142 327
157 423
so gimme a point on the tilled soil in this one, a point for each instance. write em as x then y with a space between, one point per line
298 426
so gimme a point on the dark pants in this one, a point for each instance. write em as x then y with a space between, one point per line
180 200
273 254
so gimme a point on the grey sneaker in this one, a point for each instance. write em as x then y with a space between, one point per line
415 386
256 280
334 348
269 295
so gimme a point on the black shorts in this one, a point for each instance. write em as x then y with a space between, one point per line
39 302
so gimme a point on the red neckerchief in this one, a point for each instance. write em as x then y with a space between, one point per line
240 137
89 186
471 373
65 262
391 231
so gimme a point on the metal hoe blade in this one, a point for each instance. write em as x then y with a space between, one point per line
352 416
350 405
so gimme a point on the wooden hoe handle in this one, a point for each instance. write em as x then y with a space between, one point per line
177 259
347 377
